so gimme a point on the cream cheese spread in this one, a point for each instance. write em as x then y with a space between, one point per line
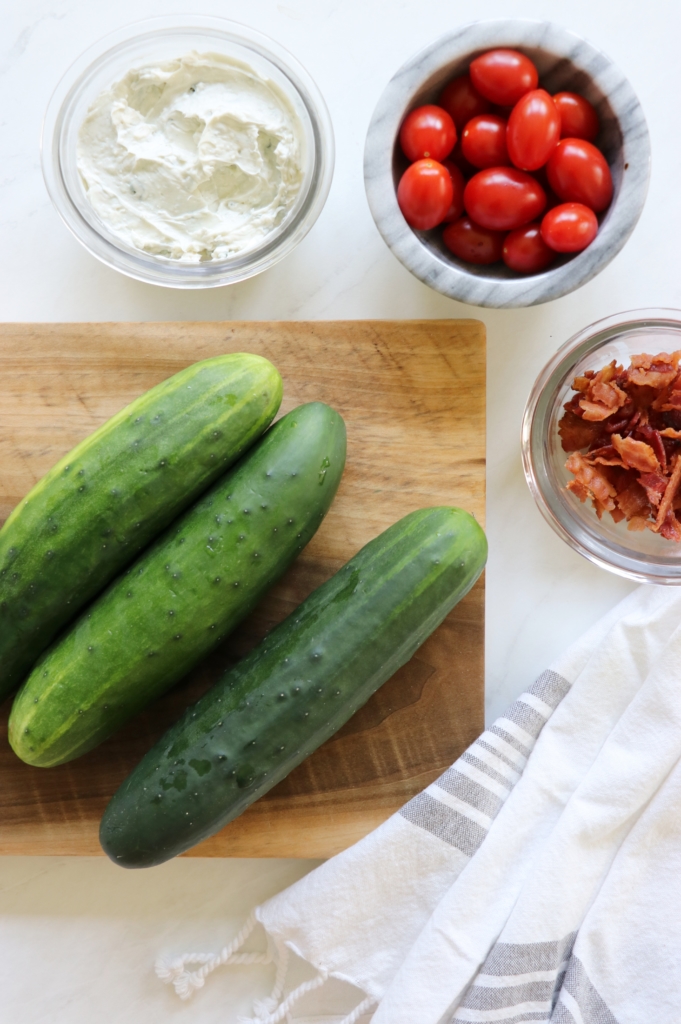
193 159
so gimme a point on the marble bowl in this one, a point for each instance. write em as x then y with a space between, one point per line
565 62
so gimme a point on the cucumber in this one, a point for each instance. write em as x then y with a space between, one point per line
296 688
110 496
182 596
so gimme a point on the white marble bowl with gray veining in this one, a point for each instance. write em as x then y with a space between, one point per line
565 62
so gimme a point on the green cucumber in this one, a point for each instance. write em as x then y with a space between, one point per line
182 596
109 497
294 690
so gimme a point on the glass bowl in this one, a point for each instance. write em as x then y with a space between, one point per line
643 556
168 38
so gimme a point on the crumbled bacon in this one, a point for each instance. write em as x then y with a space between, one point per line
652 437
670 528
575 433
636 454
633 501
669 495
602 395
592 480
605 456
654 486
653 371
622 431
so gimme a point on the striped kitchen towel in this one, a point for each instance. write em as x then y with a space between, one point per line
536 880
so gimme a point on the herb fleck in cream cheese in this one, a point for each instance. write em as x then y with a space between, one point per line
193 159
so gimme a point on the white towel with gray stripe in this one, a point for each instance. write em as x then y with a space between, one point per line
538 879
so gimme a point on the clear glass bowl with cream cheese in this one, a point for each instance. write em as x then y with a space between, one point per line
190 154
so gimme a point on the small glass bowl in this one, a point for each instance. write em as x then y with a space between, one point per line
167 38
643 556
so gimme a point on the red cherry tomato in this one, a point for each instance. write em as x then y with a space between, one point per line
459 182
578 119
503 198
424 194
579 173
503 76
473 243
569 227
533 130
462 101
526 251
427 132
483 142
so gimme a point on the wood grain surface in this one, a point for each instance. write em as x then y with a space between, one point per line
413 397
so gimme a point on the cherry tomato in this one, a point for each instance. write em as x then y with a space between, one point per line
503 76
526 251
483 142
578 119
569 227
533 130
503 198
579 173
427 132
424 194
462 101
459 183
473 243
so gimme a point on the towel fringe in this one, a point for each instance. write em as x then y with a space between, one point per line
273 1009
173 970
358 1011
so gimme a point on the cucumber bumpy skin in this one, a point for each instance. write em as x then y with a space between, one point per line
185 593
112 494
296 688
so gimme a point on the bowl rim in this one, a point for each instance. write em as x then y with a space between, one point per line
147 267
554 373
406 244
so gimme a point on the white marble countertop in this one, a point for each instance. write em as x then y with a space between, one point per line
78 937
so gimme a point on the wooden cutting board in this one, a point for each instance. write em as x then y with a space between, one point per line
413 397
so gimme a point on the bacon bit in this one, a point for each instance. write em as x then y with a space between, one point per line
672 400
602 396
658 375
669 495
622 431
582 383
654 486
578 489
575 433
636 454
644 360
603 401
654 439
605 456
594 480
633 501
670 528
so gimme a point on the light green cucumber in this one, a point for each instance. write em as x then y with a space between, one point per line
110 496
296 688
185 594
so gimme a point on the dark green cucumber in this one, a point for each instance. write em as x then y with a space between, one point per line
296 688
109 497
183 595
